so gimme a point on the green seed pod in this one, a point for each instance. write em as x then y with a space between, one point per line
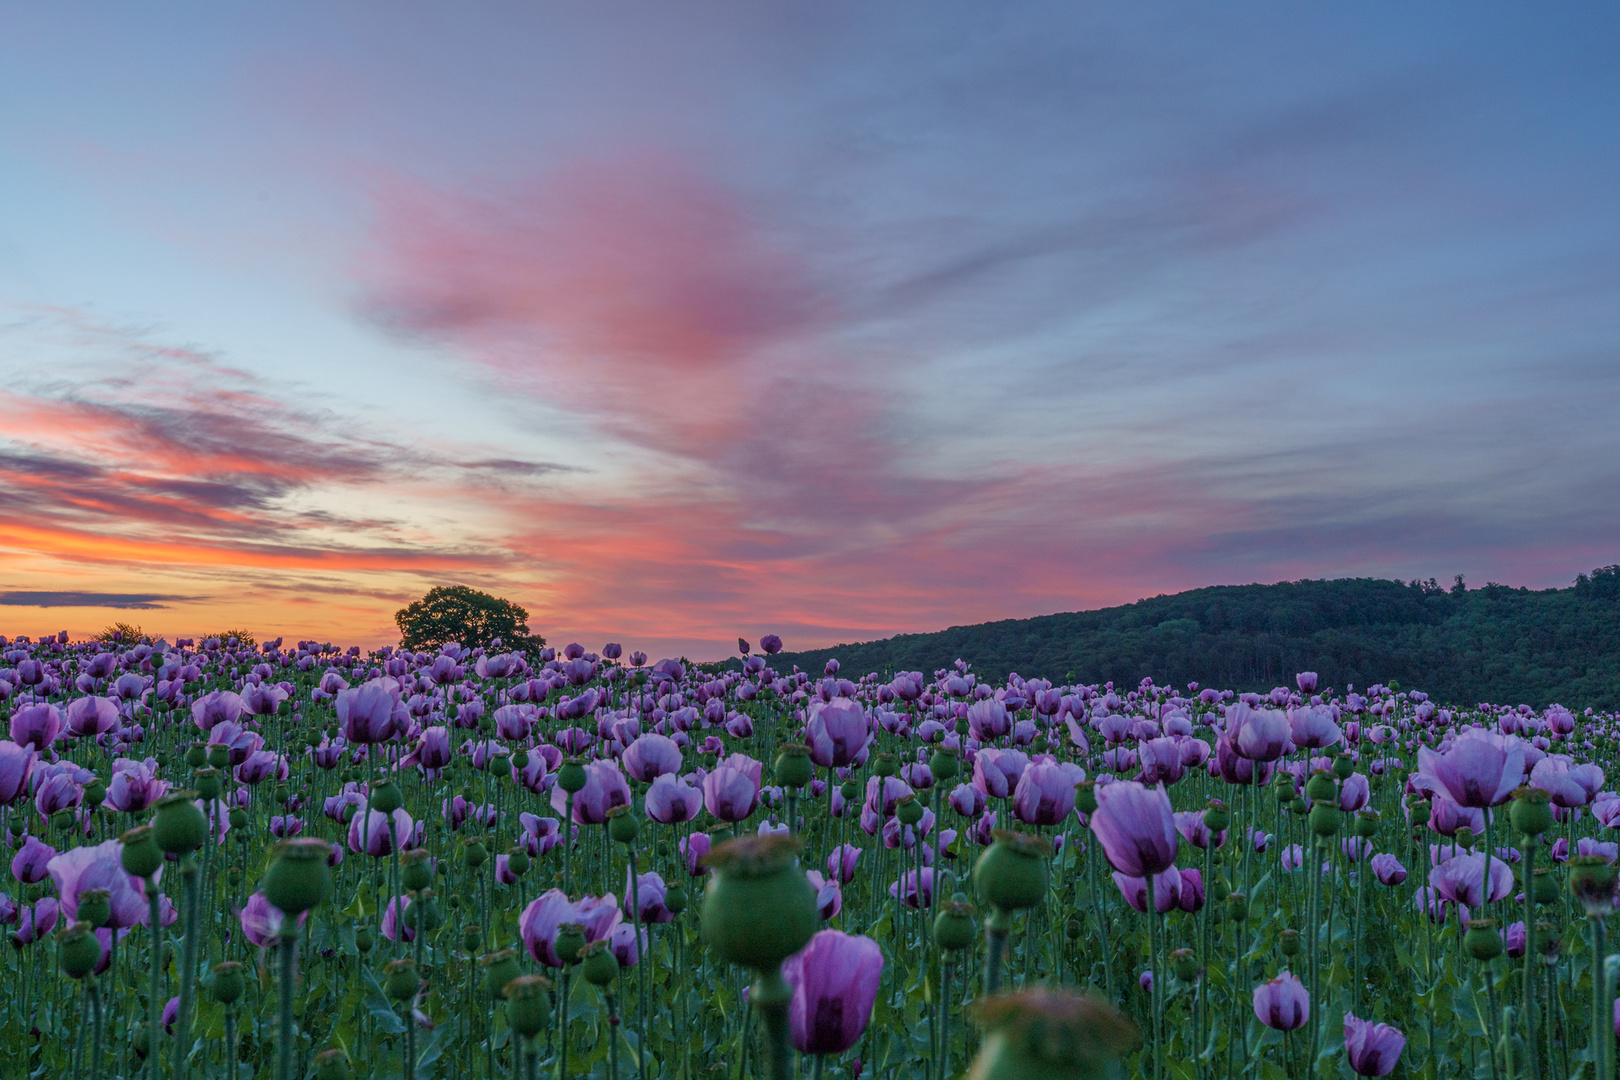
298 878
944 764
95 907
1326 819
500 968
1283 785
226 982
424 916
1321 788
473 854
1299 807
517 861
400 980
207 784
1529 813
1592 882
883 764
64 820
793 766
78 951
528 1004
1366 824
1085 797
238 818
1343 766
569 943
571 776
177 825
1482 941
332 1064
1219 890
1013 874
622 825
953 926
598 965
1290 943
1545 886
1050 1035
415 869
758 908
365 939
962 726
95 793
1218 818
472 936
909 810
1184 964
218 756
197 755
850 790
1071 929
386 797
1237 907
520 758
675 898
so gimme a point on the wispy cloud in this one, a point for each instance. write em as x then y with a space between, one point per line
118 601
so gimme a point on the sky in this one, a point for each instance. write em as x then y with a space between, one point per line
680 322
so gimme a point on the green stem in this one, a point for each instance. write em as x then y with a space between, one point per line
1530 958
284 989
188 965
771 995
154 913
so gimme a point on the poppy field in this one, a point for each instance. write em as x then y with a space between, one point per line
290 861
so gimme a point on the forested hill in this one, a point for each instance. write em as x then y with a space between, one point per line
1462 645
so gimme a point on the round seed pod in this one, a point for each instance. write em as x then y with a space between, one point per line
1218 817
386 797
1482 941
218 756
571 776
178 826
207 784
197 755
883 764
528 1004
675 898
944 763
298 878
95 907
1530 813
78 950
415 869
622 825
517 861
758 907
400 980
226 982
793 766
1320 787
909 810
332 1064
953 926
1013 874
569 943
500 968
1184 964
238 818
1050 1034
1326 819
598 965
1343 766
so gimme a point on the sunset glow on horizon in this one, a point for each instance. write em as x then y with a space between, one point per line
673 323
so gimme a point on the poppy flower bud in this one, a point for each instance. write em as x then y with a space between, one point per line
1419 812
196 755
332 1064
1325 819
850 790
622 825
943 763
95 793
909 810
1217 818
1592 882
365 939
675 898
1530 813
239 818
1343 766
1184 964
758 907
569 941
571 776
415 869
178 826
298 878
500 968
218 756
883 764
598 965
78 951
1012 874
517 861
1085 797
207 784
953 926
1321 788
1482 940
1366 824
226 982
793 766
95 907
1049 1033
400 981
528 1004
1290 943
386 797
473 854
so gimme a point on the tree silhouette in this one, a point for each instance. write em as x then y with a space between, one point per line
458 613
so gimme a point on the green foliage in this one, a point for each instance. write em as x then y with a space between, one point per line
1461 645
245 640
121 633
458 613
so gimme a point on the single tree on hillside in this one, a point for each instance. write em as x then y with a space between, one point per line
457 613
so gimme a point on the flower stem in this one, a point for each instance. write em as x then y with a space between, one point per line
188 967
284 990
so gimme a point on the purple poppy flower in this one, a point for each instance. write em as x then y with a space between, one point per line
829 895
90 716
731 791
82 868
1136 828
835 983
649 894
1480 769
370 834
605 788
35 922
366 713
36 725
221 706
627 944
540 920
1282 1003
651 756
16 769
1045 792
135 785
838 733
842 862
1388 869
1313 727
1258 734
262 921
1372 1049
31 864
